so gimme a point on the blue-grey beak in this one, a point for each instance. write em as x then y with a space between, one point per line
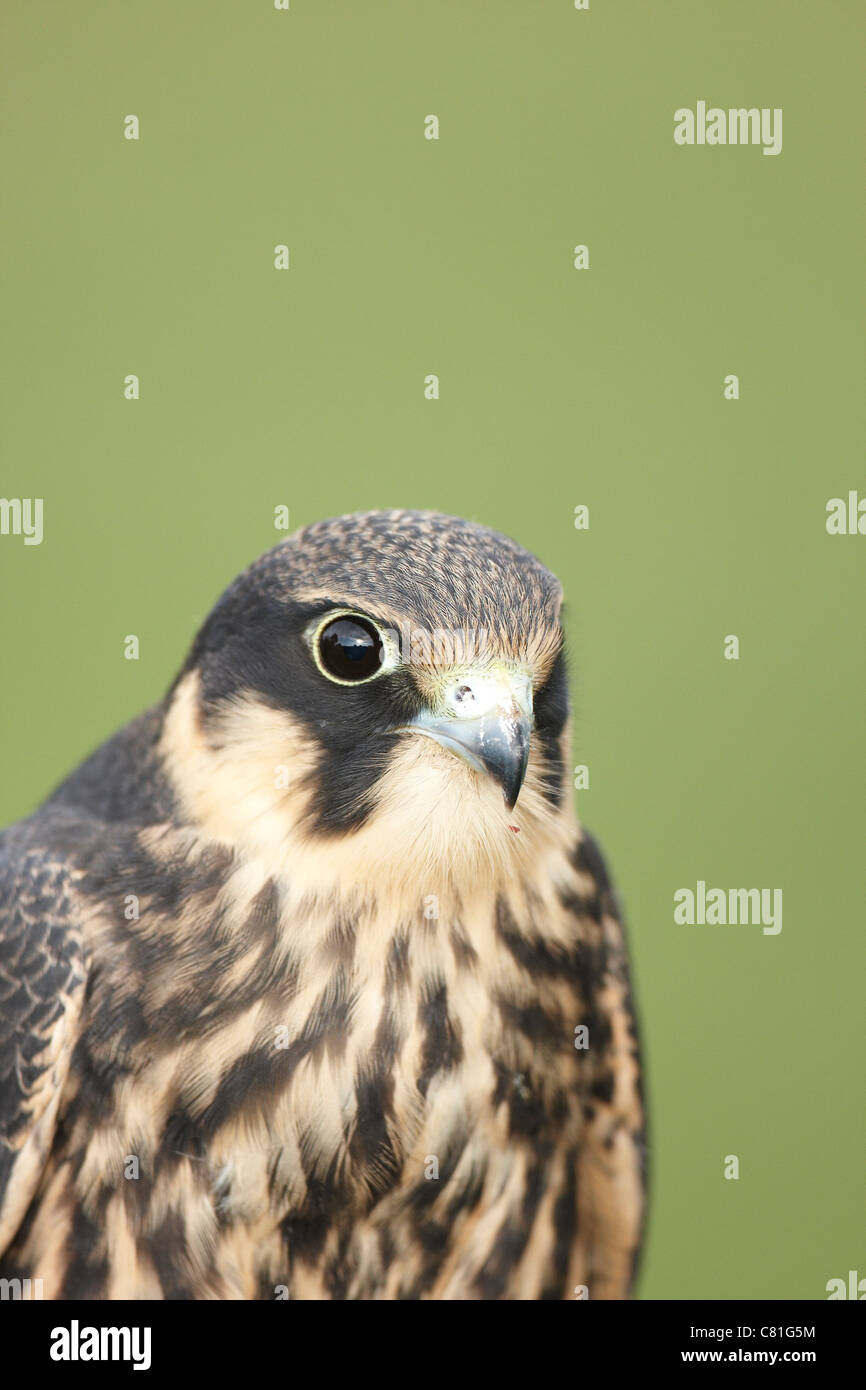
484 717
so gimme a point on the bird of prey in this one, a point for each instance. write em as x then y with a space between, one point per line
311 984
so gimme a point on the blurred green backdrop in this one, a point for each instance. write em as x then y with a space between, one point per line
558 387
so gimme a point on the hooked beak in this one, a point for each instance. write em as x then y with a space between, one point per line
486 719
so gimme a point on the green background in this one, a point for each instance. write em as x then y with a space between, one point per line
558 387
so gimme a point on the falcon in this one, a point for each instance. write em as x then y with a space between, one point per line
311 984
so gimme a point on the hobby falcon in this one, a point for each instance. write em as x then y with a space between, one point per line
311 983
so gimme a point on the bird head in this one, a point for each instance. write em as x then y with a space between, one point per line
380 695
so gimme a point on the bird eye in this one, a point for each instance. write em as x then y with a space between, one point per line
350 649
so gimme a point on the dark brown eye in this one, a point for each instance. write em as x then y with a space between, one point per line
350 649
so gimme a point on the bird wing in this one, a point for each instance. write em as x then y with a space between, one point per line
611 1177
42 979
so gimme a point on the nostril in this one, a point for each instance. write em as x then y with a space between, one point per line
464 697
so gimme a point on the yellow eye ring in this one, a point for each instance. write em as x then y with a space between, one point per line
349 648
